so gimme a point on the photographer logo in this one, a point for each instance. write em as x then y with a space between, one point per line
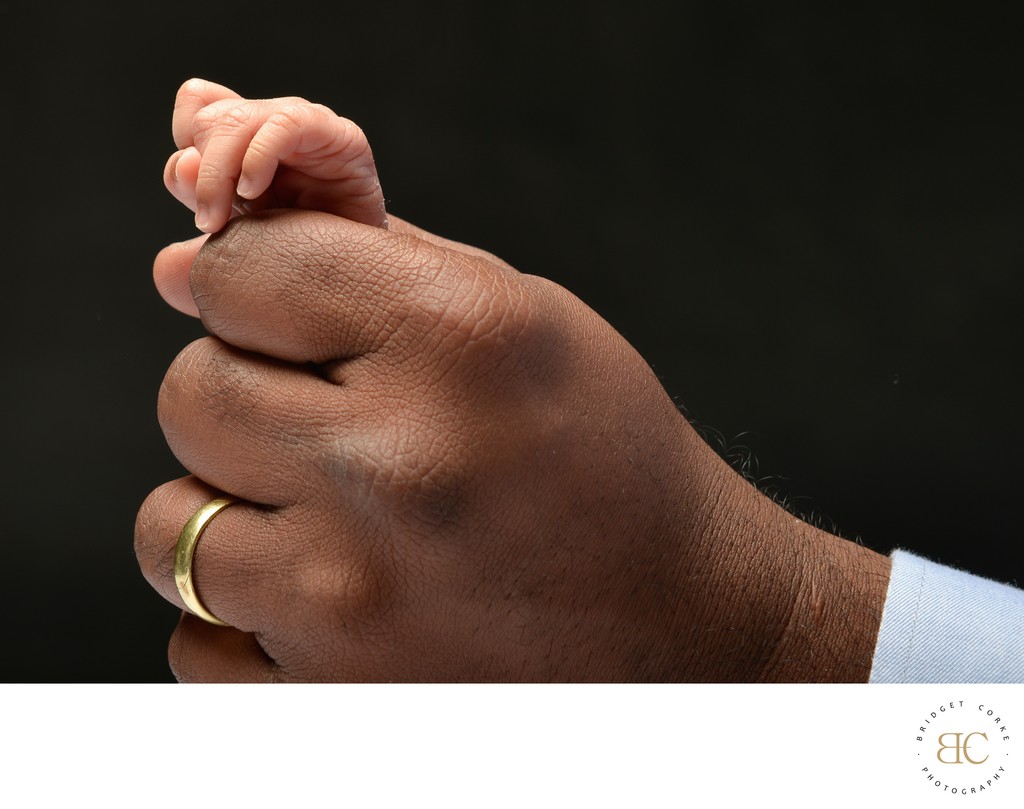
963 748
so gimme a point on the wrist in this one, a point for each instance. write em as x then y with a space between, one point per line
779 600
836 611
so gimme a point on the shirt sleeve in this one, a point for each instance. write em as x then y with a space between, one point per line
942 625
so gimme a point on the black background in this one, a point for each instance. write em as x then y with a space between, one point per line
806 217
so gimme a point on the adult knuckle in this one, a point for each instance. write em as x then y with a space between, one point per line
407 465
486 331
492 314
534 336
432 302
174 388
226 388
276 276
356 591
310 301
206 380
227 263
178 380
424 474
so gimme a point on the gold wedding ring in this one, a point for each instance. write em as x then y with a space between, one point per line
184 550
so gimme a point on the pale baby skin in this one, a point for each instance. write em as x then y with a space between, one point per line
236 155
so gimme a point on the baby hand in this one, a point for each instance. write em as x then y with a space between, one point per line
238 155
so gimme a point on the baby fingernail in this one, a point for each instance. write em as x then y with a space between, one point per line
202 217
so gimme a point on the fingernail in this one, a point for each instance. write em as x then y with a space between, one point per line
202 217
243 188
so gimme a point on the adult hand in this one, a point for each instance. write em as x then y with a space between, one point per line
451 471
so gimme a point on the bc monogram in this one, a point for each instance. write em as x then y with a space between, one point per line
961 745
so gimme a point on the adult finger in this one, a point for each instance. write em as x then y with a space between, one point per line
255 567
310 287
230 559
253 564
227 415
402 226
173 264
200 652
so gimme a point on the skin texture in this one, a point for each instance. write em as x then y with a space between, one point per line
452 471
236 156
249 155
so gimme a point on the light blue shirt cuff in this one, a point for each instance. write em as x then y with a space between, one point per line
942 625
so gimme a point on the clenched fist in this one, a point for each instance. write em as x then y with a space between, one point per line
452 471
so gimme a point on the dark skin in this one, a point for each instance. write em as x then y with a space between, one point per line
452 471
